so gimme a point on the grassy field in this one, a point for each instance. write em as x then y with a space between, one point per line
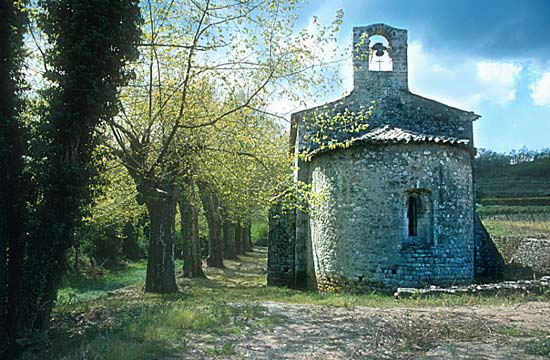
518 228
109 317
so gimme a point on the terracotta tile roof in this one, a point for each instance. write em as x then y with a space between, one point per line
388 134
391 135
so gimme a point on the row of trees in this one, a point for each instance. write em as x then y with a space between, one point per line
193 125
526 162
175 93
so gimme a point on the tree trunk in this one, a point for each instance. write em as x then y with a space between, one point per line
76 254
213 218
246 238
239 239
161 277
192 264
130 247
230 251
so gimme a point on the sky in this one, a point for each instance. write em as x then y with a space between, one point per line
491 57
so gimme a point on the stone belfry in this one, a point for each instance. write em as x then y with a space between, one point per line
367 52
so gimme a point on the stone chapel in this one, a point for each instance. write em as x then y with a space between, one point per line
399 206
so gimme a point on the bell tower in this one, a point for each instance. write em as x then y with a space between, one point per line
379 58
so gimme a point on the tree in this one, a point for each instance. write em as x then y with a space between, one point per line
211 208
198 59
86 65
13 184
113 225
188 205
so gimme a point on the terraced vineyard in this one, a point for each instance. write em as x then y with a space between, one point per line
513 201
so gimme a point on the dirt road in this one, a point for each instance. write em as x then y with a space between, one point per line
317 332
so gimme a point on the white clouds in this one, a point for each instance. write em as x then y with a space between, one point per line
499 80
441 79
540 90
464 83
493 71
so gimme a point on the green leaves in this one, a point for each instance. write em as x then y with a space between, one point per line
333 126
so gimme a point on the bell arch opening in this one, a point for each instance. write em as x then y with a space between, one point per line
379 54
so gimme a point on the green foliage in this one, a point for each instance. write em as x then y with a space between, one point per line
334 126
14 185
89 44
518 174
197 110
115 227
259 232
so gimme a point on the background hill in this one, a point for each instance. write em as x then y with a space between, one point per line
519 174
513 201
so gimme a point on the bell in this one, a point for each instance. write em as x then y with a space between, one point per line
380 48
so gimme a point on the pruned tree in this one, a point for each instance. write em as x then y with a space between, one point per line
198 59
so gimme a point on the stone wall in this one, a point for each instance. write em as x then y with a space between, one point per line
359 235
534 254
281 247
520 287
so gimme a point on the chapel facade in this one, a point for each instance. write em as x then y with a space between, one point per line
398 204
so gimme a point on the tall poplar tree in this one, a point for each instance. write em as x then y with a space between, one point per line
12 181
90 43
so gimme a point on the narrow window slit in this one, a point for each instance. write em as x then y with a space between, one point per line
412 215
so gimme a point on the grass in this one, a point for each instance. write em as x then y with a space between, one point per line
227 348
93 321
515 212
510 221
518 228
80 287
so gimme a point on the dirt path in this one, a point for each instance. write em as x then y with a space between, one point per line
305 331
316 332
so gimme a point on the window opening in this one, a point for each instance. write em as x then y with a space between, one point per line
412 215
418 218
379 58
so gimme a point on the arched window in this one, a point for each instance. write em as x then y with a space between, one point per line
379 56
418 217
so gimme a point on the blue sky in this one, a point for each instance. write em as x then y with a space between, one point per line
491 57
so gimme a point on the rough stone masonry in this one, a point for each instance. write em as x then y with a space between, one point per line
398 203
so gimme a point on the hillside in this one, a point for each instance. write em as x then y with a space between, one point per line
516 175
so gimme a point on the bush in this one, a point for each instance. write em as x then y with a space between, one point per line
260 232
